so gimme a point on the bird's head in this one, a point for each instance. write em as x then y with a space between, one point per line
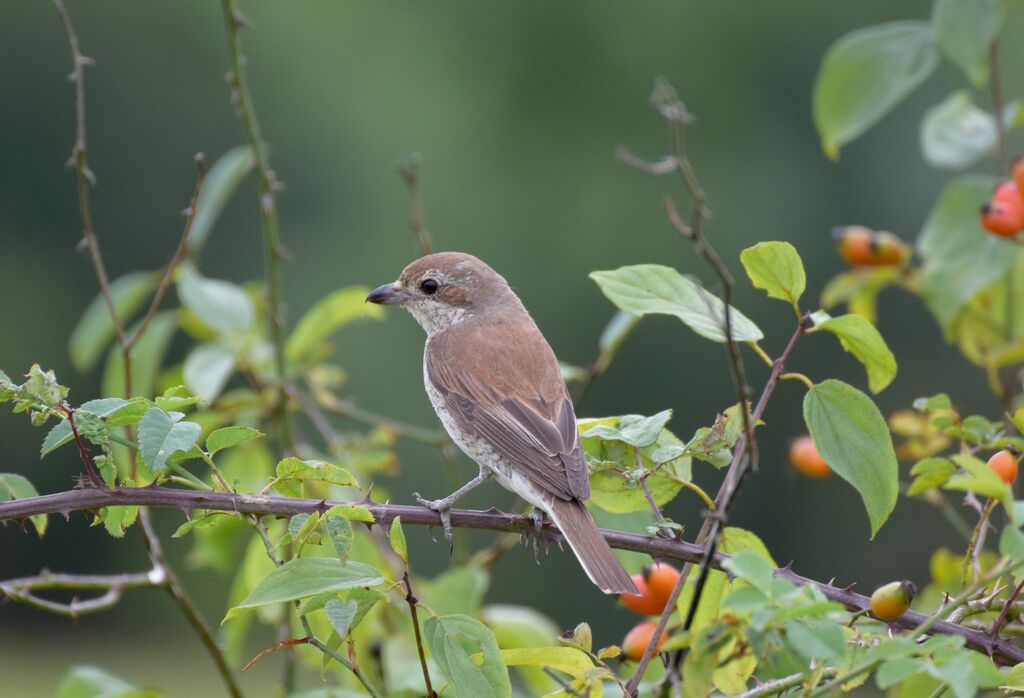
443 289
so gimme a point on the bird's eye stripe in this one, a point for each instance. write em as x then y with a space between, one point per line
428 286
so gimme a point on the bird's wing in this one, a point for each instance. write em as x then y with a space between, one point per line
512 394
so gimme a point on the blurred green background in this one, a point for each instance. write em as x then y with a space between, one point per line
516 109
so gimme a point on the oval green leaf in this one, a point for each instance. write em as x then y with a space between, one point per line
230 436
966 30
95 329
860 338
14 486
776 268
221 183
955 133
853 438
162 435
222 306
453 640
306 576
865 74
644 289
328 315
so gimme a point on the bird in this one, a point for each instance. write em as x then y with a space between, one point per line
496 386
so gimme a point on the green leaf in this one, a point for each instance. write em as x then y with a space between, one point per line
147 355
306 576
221 183
162 435
222 306
960 258
955 134
567 660
929 473
816 641
867 73
458 589
292 471
980 479
1011 542
207 369
327 316
352 512
632 429
853 438
452 640
966 30
341 534
396 536
775 268
93 682
61 432
117 520
896 671
749 565
230 436
860 338
341 614
95 329
14 486
644 289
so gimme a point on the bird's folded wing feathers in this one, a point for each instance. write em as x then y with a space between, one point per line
536 433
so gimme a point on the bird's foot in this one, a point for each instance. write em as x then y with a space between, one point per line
444 509
539 518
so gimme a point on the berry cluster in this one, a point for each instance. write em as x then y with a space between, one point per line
1003 216
863 247
655 584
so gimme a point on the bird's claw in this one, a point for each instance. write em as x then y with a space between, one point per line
539 519
443 507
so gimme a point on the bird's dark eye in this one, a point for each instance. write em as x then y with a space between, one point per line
428 286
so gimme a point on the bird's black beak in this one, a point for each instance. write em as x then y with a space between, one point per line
388 294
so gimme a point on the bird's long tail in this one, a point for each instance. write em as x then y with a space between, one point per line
590 547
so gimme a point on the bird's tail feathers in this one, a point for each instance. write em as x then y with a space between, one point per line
590 547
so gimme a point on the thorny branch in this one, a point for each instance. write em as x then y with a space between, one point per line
65 503
85 181
674 111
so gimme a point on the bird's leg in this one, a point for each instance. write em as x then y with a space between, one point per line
539 517
443 506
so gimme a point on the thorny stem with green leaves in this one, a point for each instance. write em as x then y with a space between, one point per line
654 546
311 637
272 247
1001 568
85 182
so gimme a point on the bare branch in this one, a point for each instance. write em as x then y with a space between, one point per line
409 171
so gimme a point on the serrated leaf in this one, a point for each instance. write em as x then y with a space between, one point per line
352 512
117 520
341 614
396 536
291 471
327 316
865 74
775 267
816 640
860 338
898 670
635 430
853 438
221 183
227 437
748 565
207 370
644 289
341 534
966 30
955 133
452 640
61 432
222 306
13 487
95 329
162 435
306 576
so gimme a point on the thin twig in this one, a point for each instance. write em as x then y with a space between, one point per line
185 603
409 171
113 586
777 686
179 254
410 598
657 547
272 249
975 544
1001 620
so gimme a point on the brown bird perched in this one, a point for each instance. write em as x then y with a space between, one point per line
497 388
